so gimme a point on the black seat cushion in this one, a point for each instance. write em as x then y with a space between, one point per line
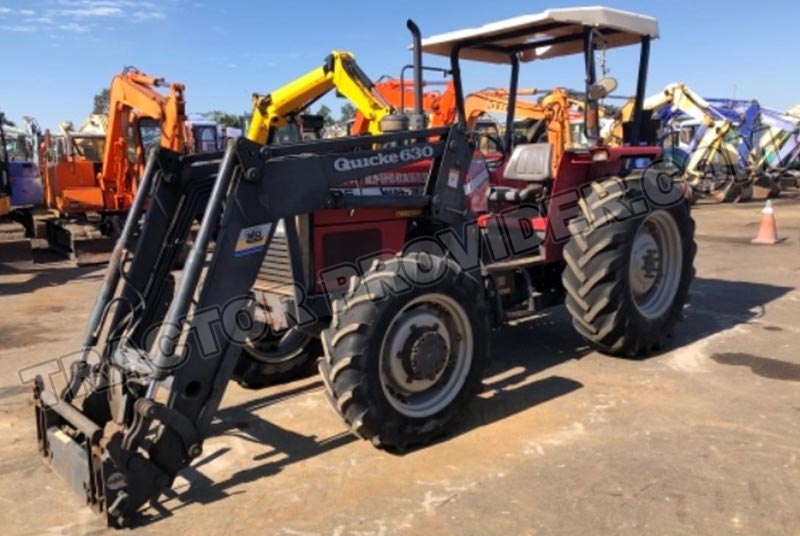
515 195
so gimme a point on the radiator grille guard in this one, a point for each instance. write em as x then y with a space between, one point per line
275 274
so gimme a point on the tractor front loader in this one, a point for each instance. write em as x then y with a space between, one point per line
401 287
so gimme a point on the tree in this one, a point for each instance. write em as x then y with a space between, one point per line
101 101
327 118
348 113
224 118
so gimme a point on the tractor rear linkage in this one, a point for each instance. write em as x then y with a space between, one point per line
124 447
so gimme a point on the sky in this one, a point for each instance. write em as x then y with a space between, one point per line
59 53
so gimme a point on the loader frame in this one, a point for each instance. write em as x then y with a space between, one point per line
180 188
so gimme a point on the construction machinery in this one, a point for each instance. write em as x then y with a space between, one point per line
402 287
398 93
549 119
274 355
339 71
702 141
20 189
769 139
275 352
91 176
545 121
10 232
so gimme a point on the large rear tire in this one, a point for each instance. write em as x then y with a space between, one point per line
401 365
630 263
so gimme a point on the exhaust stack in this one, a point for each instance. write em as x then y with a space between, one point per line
417 120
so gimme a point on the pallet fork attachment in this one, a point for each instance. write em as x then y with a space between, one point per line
111 434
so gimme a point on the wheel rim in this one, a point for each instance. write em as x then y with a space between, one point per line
655 264
276 348
426 355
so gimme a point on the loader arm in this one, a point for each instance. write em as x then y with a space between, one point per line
122 445
340 71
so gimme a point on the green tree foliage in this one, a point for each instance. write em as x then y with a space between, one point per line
101 101
327 118
224 118
348 112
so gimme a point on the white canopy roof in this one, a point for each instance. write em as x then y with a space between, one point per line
620 28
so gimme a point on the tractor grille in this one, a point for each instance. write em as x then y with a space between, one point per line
275 274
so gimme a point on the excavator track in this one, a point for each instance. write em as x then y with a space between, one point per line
14 245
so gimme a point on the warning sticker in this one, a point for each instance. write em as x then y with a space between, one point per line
252 239
452 178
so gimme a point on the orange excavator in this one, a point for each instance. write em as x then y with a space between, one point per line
90 177
548 120
551 119
399 94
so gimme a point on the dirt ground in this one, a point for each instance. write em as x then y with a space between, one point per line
702 439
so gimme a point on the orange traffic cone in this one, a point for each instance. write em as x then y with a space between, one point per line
767 231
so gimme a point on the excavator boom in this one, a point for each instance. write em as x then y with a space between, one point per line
133 92
275 110
91 191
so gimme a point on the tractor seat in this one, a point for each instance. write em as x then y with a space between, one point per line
530 162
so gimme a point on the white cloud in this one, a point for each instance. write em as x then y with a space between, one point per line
148 15
80 16
17 28
97 11
74 27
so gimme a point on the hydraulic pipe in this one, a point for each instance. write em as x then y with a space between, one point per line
114 269
176 315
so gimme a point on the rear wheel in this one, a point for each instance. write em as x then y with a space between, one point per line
629 265
274 358
400 368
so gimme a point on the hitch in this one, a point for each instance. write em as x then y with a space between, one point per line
107 470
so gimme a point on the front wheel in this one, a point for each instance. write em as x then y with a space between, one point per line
629 264
401 364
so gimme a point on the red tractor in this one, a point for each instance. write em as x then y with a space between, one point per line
402 283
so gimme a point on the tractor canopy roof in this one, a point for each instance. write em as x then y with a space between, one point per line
552 33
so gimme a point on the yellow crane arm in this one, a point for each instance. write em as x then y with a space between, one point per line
682 98
677 95
340 70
